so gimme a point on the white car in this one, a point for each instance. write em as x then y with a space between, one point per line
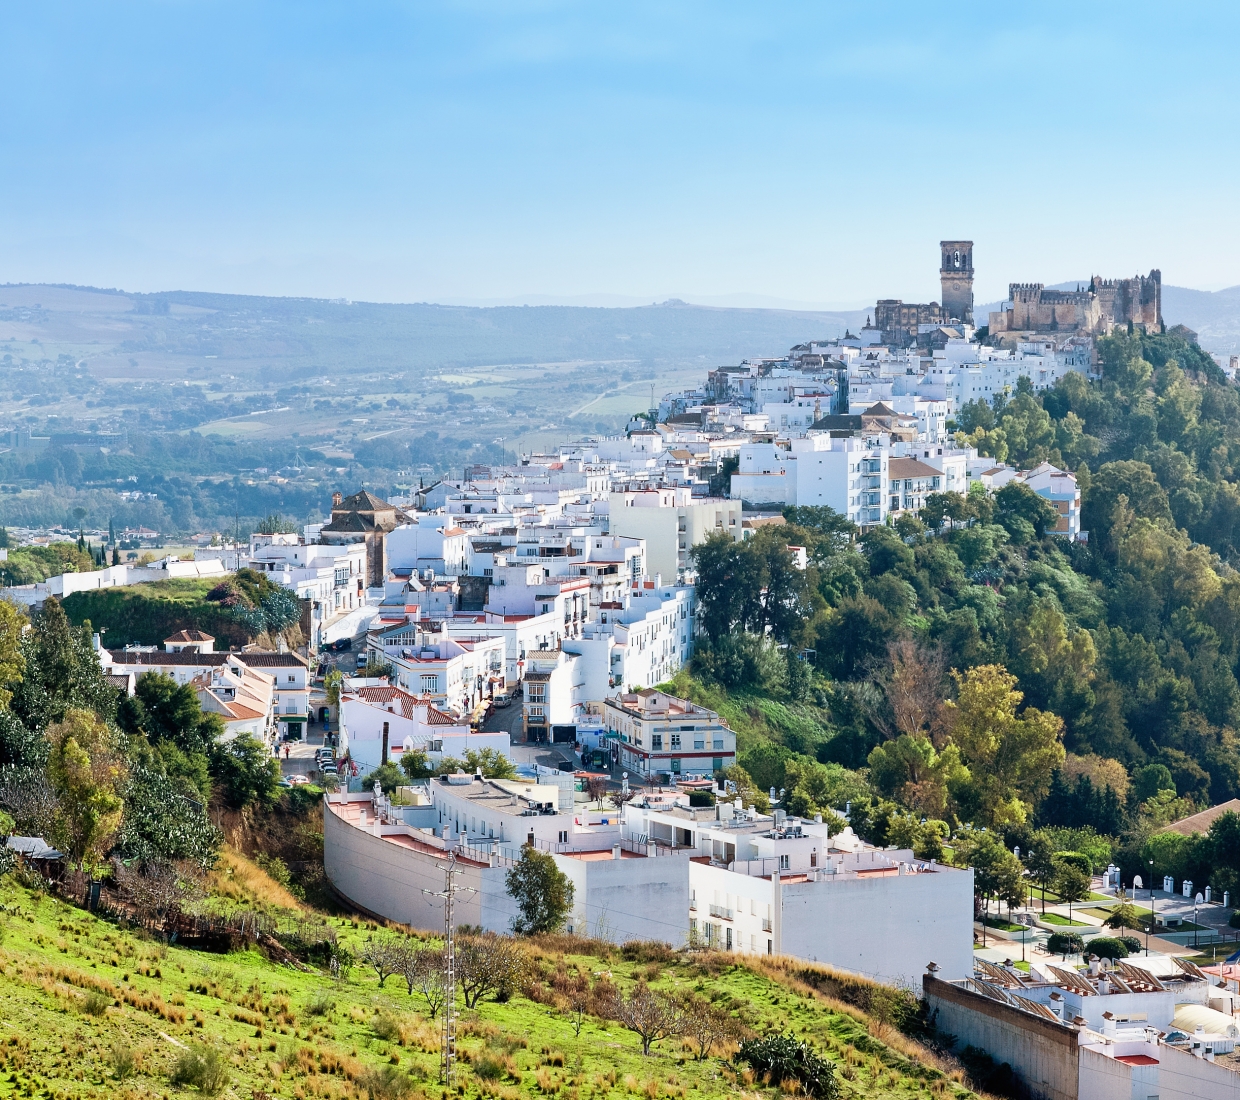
503 699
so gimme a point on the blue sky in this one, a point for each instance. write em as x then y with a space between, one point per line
788 152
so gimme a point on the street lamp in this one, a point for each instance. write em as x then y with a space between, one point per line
1196 902
1151 924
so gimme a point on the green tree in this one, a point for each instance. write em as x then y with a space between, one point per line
12 662
246 772
1010 757
416 764
491 762
543 893
388 776
997 873
1071 884
61 673
87 770
1039 859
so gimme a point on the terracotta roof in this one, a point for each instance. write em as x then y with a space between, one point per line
1200 823
190 636
901 468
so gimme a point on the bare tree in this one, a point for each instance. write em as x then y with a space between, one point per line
488 963
27 795
386 957
158 889
423 972
651 1013
913 686
596 787
706 1025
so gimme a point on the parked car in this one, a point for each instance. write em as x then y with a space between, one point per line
503 699
361 660
341 644
298 780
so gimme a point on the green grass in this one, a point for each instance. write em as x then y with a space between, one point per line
1055 918
146 614
1003 925
296 1034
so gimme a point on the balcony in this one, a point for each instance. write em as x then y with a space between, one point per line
720 912
766 924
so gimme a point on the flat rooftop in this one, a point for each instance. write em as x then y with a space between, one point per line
506 796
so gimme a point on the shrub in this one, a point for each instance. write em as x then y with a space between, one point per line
122 1060
1108 947
784 1058
384 1083
320 1004
385 1027
95 1003
1064 943
201 1068
1132 943
647 951
1079 860
489 1067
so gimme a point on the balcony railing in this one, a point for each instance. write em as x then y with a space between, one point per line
721 912
766 924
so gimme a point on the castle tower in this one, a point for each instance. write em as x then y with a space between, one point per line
956 277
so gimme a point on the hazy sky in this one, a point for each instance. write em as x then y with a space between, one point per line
809 152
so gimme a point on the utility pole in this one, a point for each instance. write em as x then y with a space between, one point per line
447 1030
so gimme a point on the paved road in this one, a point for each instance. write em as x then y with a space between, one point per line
508 719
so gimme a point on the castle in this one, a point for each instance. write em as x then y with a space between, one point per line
1092 311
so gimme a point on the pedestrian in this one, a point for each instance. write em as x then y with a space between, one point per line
286 752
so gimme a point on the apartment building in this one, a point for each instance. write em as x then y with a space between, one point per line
909 482
774 884
671 521
455 673
849 474
655 736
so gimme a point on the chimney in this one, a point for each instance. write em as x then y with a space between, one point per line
336 499
384 758
1057 1005
615 852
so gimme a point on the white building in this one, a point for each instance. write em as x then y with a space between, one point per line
671 521
848 474
774 885
654 734
457 674
189 663
387 859
1060 488
380 722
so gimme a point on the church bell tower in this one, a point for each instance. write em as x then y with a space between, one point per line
956 278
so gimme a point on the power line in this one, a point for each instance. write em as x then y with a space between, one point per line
447 1031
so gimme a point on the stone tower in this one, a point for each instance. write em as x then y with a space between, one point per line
956 277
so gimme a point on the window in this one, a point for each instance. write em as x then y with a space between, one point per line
656 740
675 740
563 836
430 683
784 863
718 743
290 679
699 743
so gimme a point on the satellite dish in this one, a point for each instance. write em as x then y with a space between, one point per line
1137 884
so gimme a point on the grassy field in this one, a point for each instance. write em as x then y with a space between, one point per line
89 1009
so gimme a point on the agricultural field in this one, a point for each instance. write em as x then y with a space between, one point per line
89 1008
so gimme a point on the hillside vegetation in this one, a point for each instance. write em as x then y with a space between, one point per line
962 668
90 1007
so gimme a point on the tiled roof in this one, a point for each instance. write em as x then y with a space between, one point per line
910 467
190 636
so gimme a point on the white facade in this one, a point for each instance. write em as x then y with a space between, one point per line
846 474
765 886
672 522
368 712
654 734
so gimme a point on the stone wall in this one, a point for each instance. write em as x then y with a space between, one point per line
1044 1054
